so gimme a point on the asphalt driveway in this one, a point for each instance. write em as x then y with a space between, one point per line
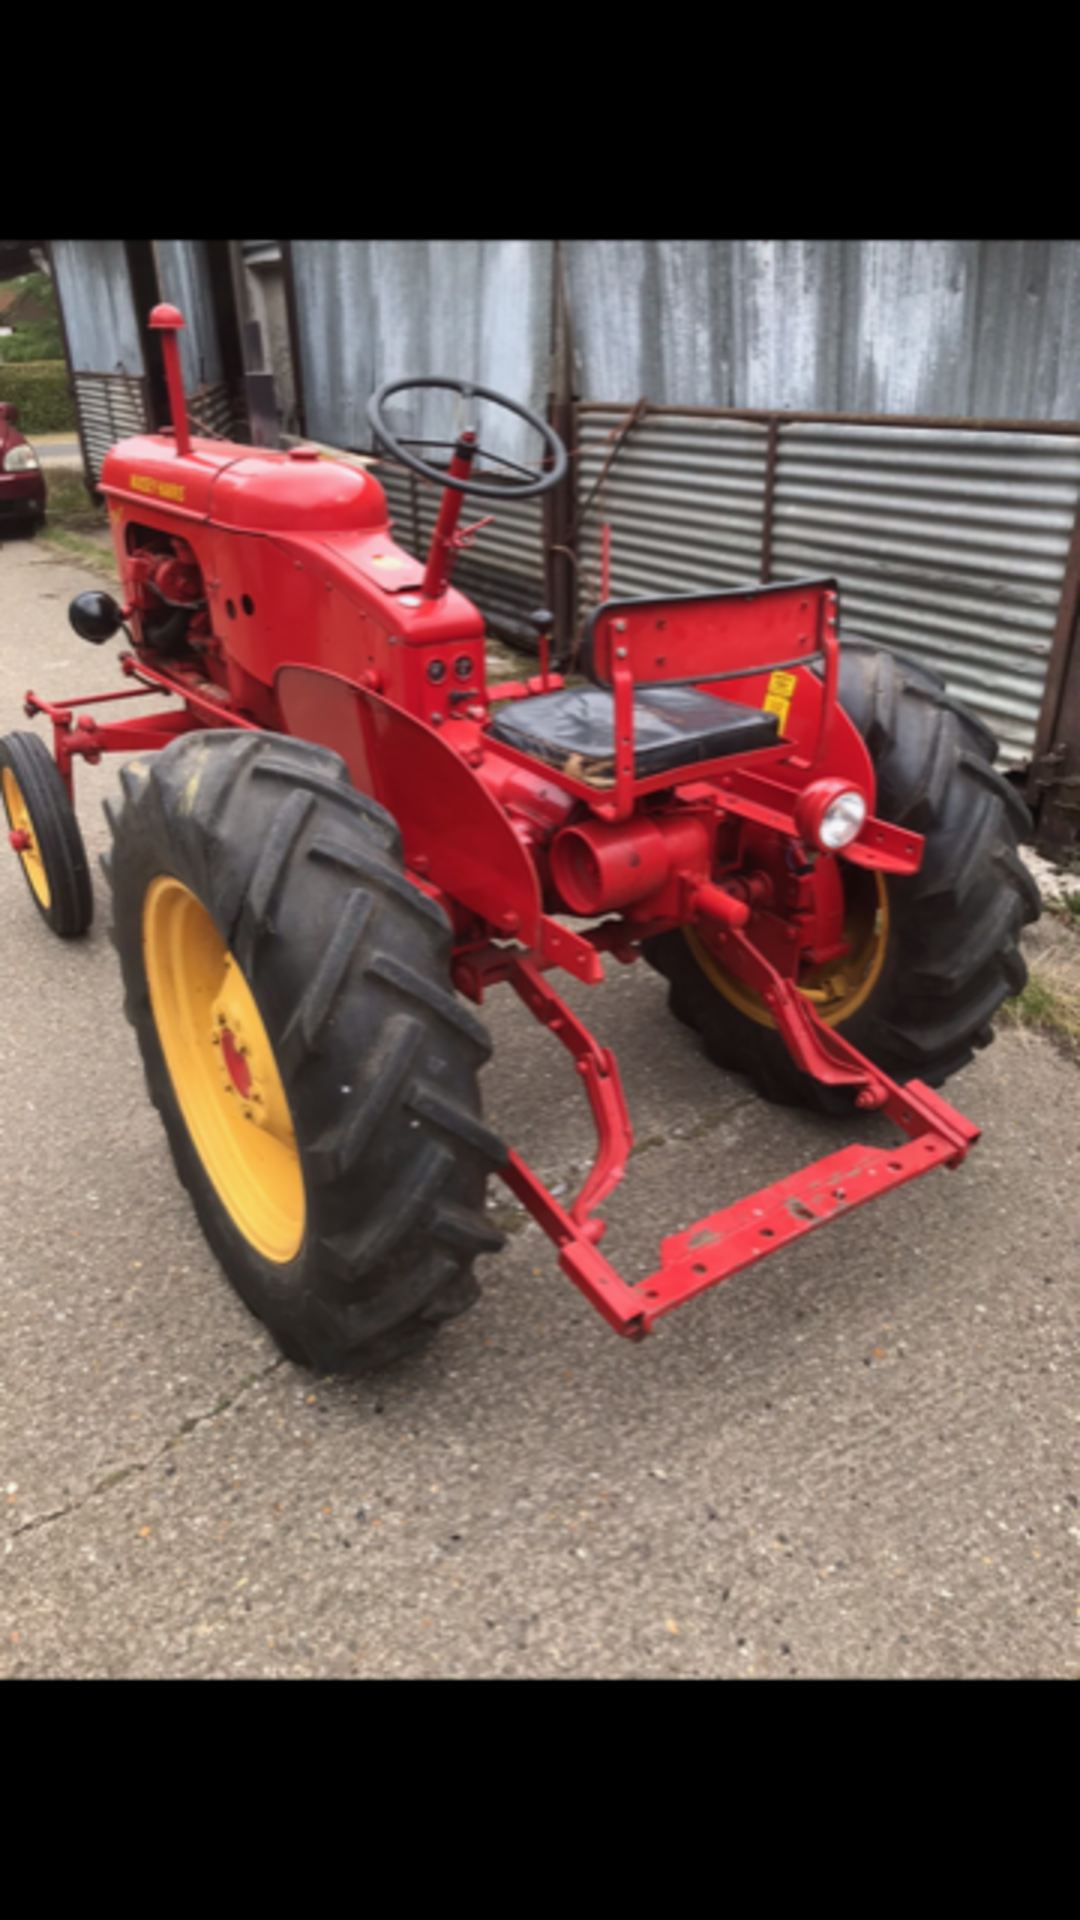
858 1459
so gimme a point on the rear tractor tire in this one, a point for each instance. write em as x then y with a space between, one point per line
314 1071
932 955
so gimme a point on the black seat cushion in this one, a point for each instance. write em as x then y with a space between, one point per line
673 727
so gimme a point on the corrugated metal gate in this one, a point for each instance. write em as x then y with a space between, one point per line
685 497
103 344
218 411
110 407
949 543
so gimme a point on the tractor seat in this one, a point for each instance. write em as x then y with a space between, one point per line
674 727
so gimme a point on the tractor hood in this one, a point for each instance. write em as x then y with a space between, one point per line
258 492
275 493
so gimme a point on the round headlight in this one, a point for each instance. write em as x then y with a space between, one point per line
842 821
830 814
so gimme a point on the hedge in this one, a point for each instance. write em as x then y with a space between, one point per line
39 388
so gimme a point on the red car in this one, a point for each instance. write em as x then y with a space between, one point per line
22 483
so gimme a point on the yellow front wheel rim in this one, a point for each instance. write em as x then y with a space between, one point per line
223 1071
18 814
838 989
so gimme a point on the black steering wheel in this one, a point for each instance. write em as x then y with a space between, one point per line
396 446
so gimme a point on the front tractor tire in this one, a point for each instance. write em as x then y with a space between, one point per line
314 1071
932 955
46 835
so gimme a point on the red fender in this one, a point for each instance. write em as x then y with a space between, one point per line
455 834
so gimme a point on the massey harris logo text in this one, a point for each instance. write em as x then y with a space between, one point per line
165 489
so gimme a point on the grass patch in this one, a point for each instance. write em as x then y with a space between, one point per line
508 1219
75 523
1051 1000
647 1145
69 498
76 544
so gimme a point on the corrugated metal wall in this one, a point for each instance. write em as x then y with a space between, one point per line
949 544
684 497
184 279
99 313
369 311
969 328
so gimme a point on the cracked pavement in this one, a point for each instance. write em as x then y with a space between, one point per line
858 1459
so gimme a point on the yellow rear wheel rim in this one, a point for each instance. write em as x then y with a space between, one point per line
837 989
18 814
223 1071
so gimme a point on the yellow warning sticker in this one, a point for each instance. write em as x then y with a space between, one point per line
778 699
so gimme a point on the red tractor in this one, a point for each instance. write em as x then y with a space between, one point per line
347 834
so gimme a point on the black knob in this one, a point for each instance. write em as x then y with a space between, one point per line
95 617
543 620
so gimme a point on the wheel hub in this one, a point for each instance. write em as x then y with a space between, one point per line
238 1070
247 1070
21 838
837 989
224 1073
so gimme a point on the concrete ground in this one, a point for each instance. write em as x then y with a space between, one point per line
858 1459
